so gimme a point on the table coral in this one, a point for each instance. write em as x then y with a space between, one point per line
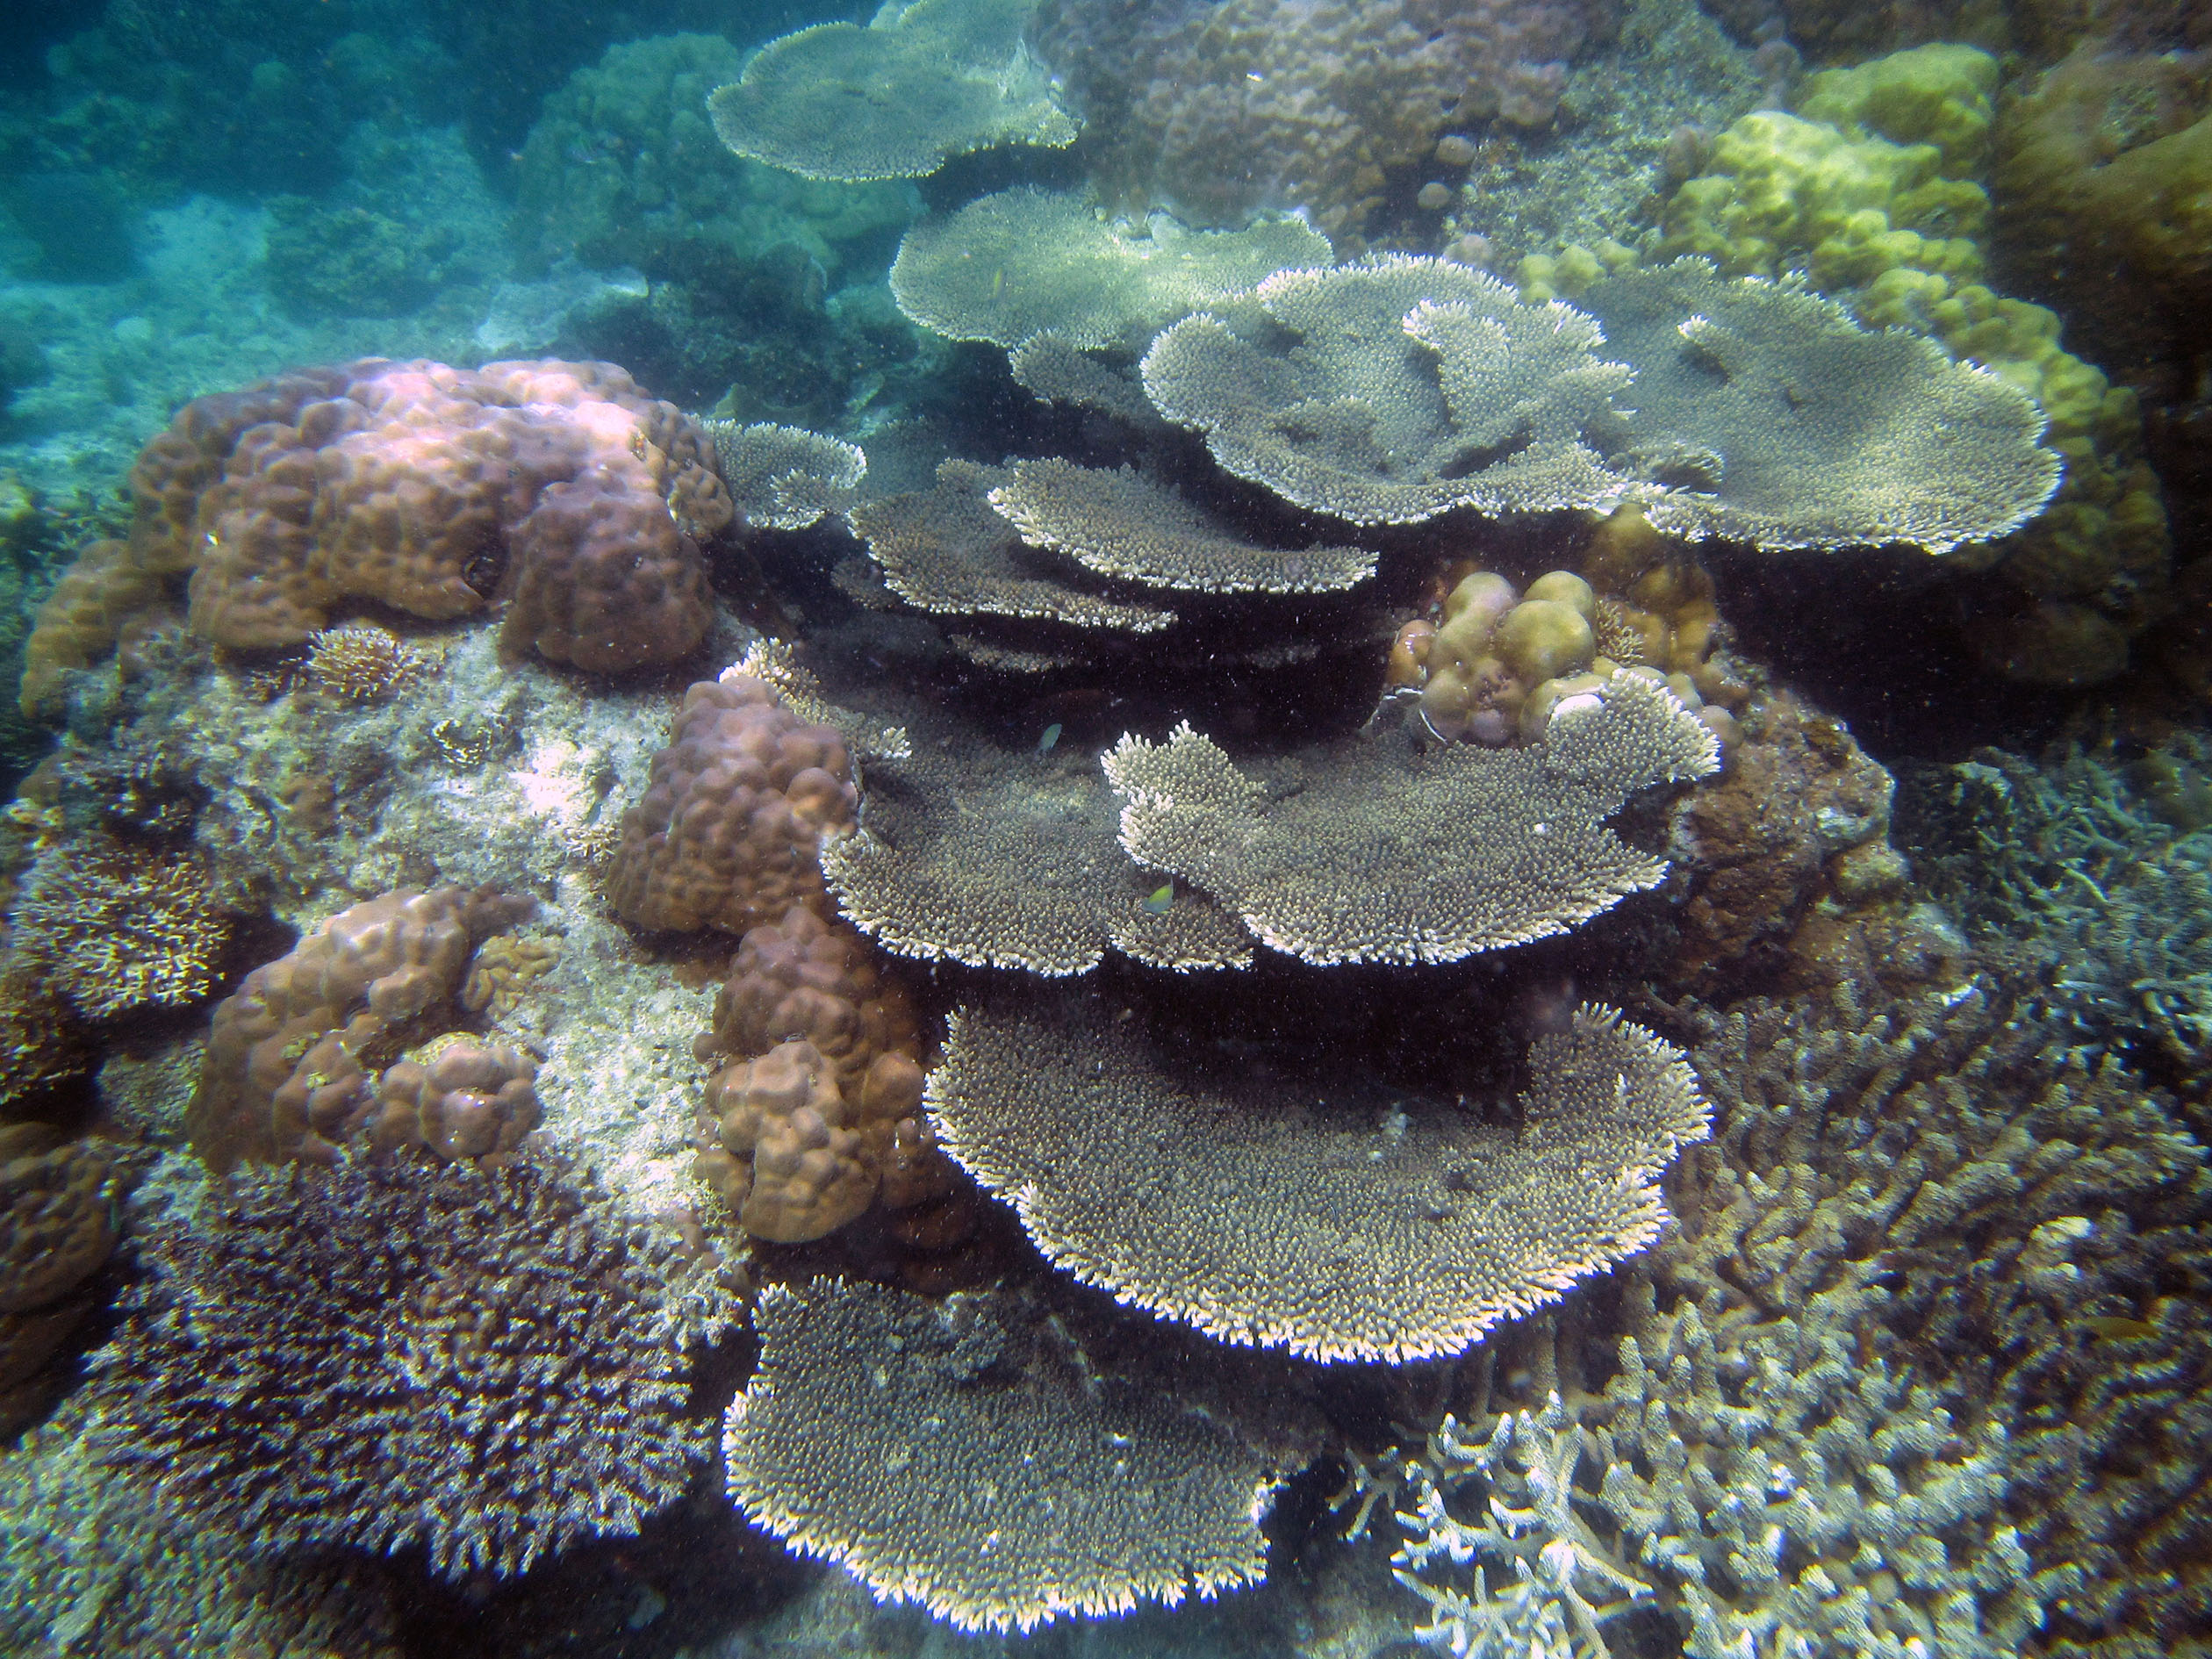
727 833
922 82
1388 855
1339 1220
969 1456
478 1360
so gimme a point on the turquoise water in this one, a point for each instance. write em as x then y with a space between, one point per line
1188 827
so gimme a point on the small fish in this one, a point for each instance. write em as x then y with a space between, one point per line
1052 736
998 281
1161 900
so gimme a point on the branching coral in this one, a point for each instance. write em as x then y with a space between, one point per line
115 927
475 1361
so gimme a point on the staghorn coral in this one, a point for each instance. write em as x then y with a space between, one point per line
284 1074
968 1457
947 550
726 834
360 664
1346 1229
42 1039
477 1360
1981 1430
1007 858
1010 266
922 82
456 1097
785 478
113 927
1391 855
1118 524
434 490
1215 110
1528 1522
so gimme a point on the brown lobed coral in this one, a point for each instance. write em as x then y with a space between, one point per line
559 487
738 802
285 1076
460 1098
57 1225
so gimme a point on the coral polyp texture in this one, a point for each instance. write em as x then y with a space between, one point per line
1393 855
476 1362
1116 523
559 487
1215 110
1007 858
114 927
284 1075
727 833
968 1457
896 98
1351 1228
1009 267
461 1097
1743 409
801 978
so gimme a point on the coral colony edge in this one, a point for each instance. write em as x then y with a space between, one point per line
1154 827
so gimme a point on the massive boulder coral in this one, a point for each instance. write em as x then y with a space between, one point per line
477 1360
559 487
1351 1228
285 1073
968 1456
58 1218
921 83
1215 110
727 832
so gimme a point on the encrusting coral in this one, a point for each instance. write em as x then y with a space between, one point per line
933 1451
922 82
1348 1228
727 832
286 1073
477 1361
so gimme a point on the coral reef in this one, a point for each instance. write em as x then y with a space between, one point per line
931 1450
458 1097
1782 422
922 82
1009 267
433 490
1215 110
727 832
286 1076
785 478
1003 859
1364 1225
113 927
1389 855
472 1359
